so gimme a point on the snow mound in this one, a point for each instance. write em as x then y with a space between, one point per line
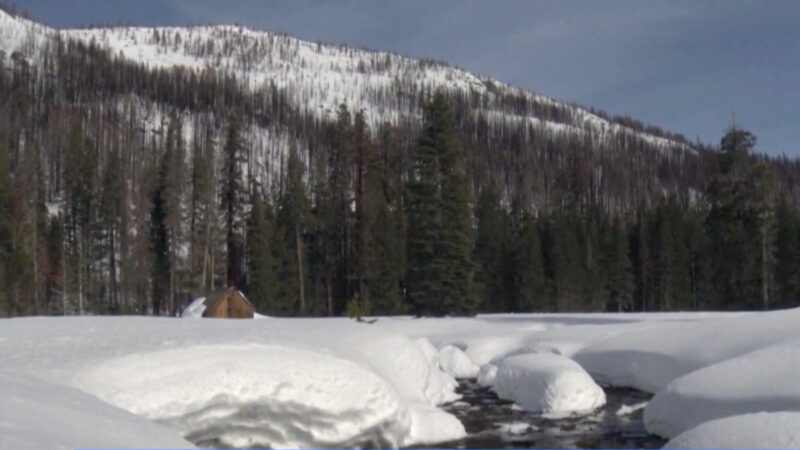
759 430
547 383
255 396
455 363
763 380
195 309
36 414
440 386
649 357
487 375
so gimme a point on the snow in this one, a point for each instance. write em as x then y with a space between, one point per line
162 380
757 430
263 389
36 414
547 383
762 380
515 428
487 374
195 309
277 382
455 363
626 410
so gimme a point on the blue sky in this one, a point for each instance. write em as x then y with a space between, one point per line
689 66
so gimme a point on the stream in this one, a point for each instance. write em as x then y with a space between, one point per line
495 423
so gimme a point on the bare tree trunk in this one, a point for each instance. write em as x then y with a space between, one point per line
330 297
764 273
299 247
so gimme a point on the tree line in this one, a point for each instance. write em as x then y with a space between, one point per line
104 210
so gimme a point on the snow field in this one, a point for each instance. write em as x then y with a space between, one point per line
758 430
322 382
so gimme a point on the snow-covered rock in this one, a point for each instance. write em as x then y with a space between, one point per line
262 389
547 383
487 374
762 380
758 430
454 362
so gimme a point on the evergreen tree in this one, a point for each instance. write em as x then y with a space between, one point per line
528 287
787 267
492 276
262 283
439 277
159 241
293 210
232 202
618 270
738 224
7 236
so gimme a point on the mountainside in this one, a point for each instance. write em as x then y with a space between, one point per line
142 166
313 79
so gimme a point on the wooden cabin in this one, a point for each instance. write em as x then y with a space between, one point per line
228 304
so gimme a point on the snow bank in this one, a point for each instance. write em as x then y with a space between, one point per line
759 430
547 383
276 396
36 414
195 309
277 382
649 356
763 380
455 363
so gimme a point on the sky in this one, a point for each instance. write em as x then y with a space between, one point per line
688 66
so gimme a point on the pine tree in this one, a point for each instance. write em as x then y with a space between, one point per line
7 235
262 283
491 251
525 263
232 202
787 267
293 211
738 224
160 241
439 277
619 270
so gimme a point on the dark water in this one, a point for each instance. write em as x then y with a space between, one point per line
488 422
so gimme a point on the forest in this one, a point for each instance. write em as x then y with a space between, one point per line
127 189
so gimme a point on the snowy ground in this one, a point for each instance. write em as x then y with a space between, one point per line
159 382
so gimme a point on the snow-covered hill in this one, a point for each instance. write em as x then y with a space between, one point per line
319 77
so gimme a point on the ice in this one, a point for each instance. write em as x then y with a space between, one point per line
454 362
757 430
762 380
547 383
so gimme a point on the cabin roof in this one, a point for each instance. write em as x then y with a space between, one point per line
216 296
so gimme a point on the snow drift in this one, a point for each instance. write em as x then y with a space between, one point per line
547 383
763 380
